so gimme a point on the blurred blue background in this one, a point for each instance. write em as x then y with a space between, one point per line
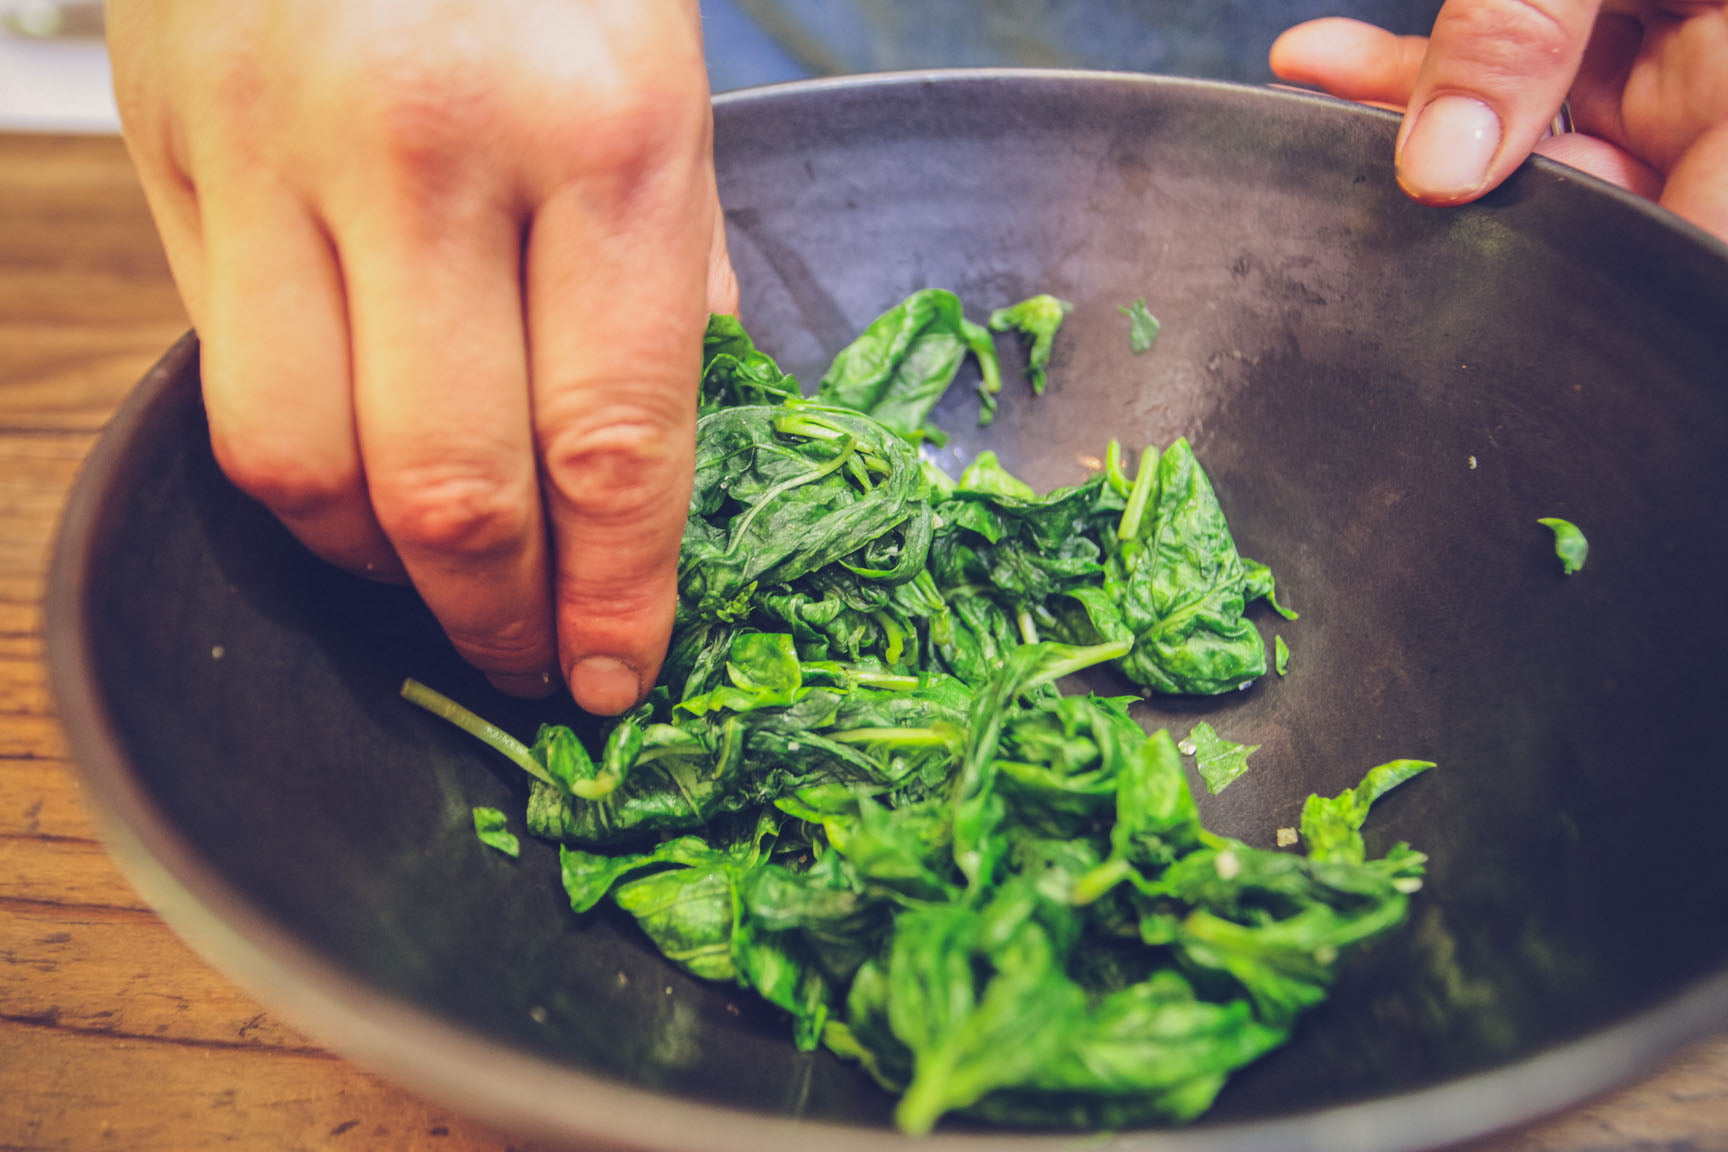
765 41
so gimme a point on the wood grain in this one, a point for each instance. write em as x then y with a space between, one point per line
113 1034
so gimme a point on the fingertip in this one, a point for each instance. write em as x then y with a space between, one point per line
613 638
1302 52
1446 153
1350 59
605 685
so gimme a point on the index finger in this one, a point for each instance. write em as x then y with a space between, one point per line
1350 59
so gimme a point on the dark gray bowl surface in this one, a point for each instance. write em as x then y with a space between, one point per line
1387 397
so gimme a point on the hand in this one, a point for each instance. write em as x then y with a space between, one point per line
450 263
1647 79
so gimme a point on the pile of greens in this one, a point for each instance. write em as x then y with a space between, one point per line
858 790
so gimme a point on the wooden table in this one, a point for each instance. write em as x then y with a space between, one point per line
112 1033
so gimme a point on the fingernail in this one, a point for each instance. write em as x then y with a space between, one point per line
604 685
529 685
1447 153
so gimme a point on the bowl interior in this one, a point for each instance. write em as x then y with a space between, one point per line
1387 398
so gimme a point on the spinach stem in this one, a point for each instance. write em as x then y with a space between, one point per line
891 681
481 729
1082 658
1140 495
809 427
1095 883
1028 627
1113 473
895 737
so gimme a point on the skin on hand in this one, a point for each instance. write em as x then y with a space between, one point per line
450 262
1647 81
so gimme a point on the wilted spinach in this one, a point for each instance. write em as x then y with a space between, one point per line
1036 318
1142 326
1219 760
491 830
1569 543
858 791
900 366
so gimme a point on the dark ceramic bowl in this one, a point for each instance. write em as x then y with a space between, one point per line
1387 396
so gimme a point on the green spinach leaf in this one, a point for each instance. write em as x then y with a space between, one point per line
1569 543
900 366
1037 319
490 828
1220 761
1142 326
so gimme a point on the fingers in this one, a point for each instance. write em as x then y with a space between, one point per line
442 414
1495 73
1697 186
1603 160
620 278
1597 92
1350 59
275 368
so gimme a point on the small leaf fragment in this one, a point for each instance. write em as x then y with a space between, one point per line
1142 326
1035 318
489 827
1569 543
1220 761
1280 655
1332 826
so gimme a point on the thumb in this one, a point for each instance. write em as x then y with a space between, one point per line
1697 187
1495 74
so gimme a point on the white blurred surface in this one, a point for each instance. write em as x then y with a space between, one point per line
53 84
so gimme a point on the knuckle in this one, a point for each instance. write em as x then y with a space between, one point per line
615 615
638 124
625 139
616 604
1509 33
420 113
451 510
614 468
293 484
516 648
236 77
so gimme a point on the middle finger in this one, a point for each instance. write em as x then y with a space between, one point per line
442 407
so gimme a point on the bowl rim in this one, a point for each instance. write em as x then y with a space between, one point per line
528 1095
